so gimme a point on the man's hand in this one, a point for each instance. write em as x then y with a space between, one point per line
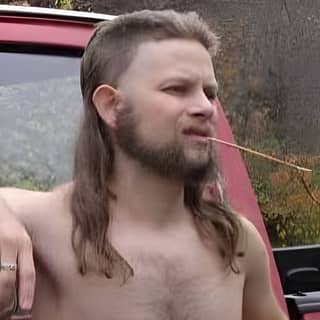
17 272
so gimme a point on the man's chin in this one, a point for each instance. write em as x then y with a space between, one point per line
198 158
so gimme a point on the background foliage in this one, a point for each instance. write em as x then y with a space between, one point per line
63 4
291 216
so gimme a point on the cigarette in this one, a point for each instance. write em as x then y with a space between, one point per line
233 145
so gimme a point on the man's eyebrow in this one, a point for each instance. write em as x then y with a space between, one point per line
210 85
179 78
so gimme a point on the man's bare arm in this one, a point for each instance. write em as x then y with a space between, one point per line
15 248
259 302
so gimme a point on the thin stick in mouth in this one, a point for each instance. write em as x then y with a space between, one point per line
260 154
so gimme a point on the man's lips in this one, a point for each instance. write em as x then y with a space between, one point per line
198 134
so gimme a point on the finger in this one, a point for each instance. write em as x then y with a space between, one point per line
8 255
26 276
8 304
6 313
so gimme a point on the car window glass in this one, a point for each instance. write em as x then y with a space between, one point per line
41 106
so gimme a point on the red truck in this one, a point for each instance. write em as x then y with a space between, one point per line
40 52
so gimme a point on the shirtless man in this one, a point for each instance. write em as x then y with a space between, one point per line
130 237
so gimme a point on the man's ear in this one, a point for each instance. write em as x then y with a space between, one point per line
106 98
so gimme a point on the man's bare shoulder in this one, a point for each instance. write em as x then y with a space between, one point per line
252 244
33 208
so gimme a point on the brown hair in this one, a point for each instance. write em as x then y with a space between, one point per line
107 56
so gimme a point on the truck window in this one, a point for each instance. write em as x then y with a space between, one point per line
41 107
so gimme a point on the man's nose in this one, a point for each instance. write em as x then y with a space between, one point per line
203 107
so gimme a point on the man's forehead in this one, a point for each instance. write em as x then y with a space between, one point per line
170 48
174 57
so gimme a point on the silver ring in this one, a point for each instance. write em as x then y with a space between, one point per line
8 267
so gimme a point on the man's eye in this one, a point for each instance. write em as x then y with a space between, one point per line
176 89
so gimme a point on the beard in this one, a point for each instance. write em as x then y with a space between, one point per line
167 161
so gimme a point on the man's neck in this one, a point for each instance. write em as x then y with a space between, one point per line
145 198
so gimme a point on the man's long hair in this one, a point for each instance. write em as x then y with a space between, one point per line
107 56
